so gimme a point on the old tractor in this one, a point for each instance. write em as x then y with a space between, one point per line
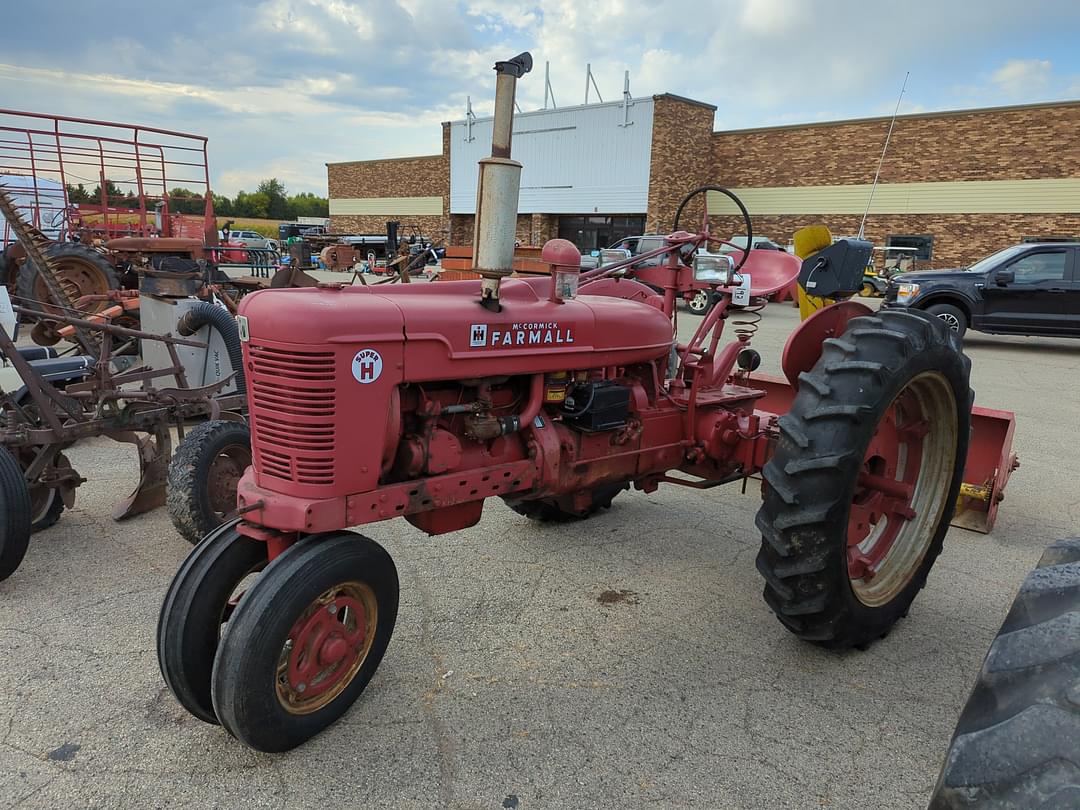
555 393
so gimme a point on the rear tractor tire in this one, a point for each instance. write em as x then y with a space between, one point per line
203 476
305 640
564 509
14 514
1017 742
864 479
82 271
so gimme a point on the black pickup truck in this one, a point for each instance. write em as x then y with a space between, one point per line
1028 289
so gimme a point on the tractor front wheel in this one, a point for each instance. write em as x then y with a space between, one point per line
305 640
864 479
568 508
200 601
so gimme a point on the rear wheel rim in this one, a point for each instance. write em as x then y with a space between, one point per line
77 277
902 489
326 647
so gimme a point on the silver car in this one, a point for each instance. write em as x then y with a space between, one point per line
251 239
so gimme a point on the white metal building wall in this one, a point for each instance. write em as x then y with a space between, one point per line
577 160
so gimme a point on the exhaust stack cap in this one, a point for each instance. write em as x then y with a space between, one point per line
517 67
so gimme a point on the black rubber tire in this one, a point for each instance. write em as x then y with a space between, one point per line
14 514
811 477
59 251
245 669
561 510
194 609
700 303
1017 742
951 316
187 494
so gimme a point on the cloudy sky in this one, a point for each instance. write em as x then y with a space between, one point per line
283 86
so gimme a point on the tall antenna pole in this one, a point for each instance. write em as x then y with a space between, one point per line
877 174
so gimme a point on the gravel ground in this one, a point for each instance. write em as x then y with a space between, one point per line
625 662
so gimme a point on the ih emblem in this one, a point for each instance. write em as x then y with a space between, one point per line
367 366
478 335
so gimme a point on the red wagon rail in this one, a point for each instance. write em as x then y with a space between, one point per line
129 171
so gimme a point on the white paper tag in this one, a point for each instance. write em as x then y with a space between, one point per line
740 296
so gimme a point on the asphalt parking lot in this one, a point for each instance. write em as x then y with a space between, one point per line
628 661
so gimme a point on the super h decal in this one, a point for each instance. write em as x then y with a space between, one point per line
367 366
548 333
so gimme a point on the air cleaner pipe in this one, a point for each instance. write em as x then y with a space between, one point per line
498 186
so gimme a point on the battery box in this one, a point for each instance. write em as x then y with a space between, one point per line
598 405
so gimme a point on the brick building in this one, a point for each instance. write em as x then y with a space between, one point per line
956 185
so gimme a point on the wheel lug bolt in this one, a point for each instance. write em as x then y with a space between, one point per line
331 609
300 687
288 644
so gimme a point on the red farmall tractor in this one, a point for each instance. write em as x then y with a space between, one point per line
554 393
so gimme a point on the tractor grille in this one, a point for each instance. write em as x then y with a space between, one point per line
292 413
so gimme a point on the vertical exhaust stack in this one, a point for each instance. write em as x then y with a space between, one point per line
497 189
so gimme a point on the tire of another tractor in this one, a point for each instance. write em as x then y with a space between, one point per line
561 510
14 514
953 317
864 479
200 599
867 290
200 491
1017 742
83 271
305 640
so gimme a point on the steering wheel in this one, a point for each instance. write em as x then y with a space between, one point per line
742 208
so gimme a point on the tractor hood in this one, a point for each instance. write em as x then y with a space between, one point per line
445 334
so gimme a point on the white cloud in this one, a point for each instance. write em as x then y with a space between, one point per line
1023 77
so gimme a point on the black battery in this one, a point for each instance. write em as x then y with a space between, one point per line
599 405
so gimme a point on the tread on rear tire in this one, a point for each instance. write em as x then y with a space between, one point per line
561 510
1017 742
813 477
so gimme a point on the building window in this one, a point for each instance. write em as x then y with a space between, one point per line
923 244
592 232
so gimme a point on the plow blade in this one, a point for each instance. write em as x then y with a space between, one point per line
990 458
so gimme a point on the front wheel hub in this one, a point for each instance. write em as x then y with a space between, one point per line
326 647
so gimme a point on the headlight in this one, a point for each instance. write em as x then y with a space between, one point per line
905 292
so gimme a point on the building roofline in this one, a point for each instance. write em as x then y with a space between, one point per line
568 108
384 160
934 114
685 100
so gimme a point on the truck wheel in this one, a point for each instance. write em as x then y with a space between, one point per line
864 479
1017 742
200 600
953 317
305 640
563 509
203 476
14 514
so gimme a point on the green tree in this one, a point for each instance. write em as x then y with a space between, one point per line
277 203
78 194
